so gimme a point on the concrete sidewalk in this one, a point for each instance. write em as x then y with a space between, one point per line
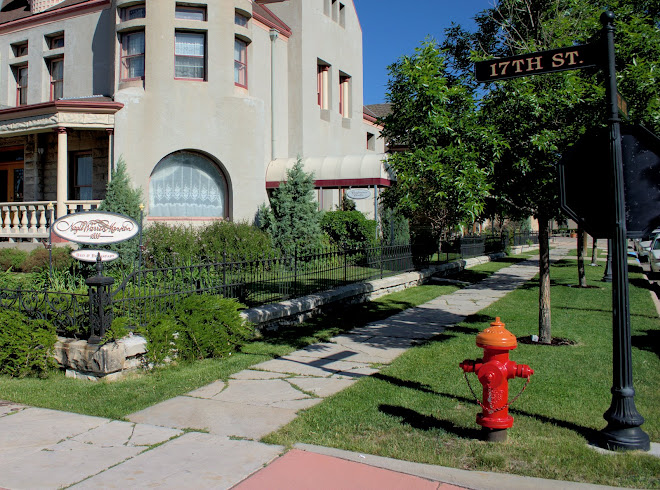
209 437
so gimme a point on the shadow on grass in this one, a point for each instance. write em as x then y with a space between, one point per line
649 342
600 310
424 422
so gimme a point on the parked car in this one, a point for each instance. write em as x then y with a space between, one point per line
643 246
654 255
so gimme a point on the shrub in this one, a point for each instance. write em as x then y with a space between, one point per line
12 258
164 243
37 260
209 326
26 345
240 240
349 229
161 339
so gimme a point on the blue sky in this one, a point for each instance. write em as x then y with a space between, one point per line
391 28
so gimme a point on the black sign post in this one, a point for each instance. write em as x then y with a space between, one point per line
623 429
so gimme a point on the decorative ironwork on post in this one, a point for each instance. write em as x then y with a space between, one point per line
100 303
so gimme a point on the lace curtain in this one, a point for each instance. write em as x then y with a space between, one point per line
186 184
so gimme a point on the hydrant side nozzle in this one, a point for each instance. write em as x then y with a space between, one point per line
524 371
467 366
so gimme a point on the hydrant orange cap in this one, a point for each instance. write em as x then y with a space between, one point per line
497 336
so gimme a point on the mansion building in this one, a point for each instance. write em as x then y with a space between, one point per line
207 102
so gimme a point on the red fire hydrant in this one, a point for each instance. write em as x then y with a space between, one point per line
494 372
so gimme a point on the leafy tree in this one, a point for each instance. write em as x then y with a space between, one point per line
538 117
442 171
293 220
121 197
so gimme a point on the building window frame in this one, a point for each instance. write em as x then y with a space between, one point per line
55 41
127 58
21 74
20 49
240 62
345 95
56 70
191 12
240 19
322 75
187 56
137 11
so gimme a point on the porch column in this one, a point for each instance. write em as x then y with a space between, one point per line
62 171
111 152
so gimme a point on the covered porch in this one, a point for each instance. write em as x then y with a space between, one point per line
55 158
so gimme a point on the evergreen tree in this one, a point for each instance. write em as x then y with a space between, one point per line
293 220
122 198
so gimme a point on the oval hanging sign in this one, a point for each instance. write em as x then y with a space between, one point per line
88 255
358 193
95 228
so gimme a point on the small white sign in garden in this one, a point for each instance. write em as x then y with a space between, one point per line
89 255
95 228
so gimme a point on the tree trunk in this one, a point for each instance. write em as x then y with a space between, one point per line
594 254
582 277
545 336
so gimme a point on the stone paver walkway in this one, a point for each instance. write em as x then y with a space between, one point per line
208 437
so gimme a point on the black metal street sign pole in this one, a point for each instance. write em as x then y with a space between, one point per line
623 429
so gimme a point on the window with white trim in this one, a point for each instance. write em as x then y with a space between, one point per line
190 55
187 184
132 55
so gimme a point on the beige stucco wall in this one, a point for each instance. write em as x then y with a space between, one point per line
88 57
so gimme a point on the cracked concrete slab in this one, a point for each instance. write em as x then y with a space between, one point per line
10 408
217 417
117 433
302 366
322 387
46 427
194 460
266 392
63 464
208 391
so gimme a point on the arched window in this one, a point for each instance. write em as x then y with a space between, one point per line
187 184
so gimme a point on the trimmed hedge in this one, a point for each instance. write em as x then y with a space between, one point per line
349 229
26 346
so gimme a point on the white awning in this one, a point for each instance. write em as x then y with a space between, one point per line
350 170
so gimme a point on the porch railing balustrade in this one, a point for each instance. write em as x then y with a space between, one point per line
30 220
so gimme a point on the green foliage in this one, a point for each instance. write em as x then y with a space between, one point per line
347 204
293 220
37 260
122 198
12 258
442 174
161 339
209 326
201 327
26 345
349 229
241 241
395 227
118 330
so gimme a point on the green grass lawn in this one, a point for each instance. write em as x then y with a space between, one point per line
420 409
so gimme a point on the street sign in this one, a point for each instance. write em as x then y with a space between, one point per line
585 182
561 59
